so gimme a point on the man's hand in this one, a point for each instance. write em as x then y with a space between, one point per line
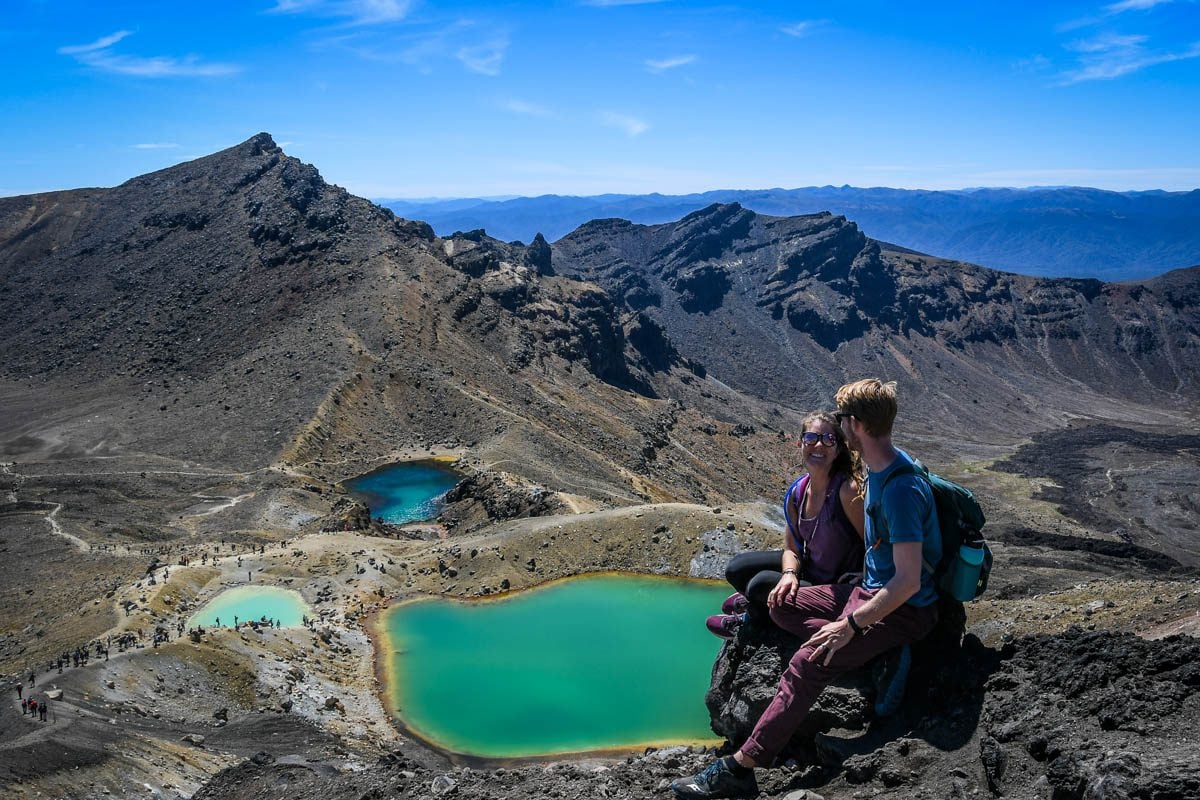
831 638
784 590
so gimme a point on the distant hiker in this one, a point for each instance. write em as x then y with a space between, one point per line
847 625
24 707
824 539
31 677
43 710
19 690
33 706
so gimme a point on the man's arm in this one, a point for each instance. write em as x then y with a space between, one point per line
895 593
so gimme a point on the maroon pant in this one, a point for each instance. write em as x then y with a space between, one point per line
811 609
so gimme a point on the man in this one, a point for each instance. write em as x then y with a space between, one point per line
845 626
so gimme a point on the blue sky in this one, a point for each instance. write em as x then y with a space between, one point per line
425 99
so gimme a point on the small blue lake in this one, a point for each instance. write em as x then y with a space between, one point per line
410 491
246 603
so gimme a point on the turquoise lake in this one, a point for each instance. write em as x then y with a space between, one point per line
406 492
253 603
599 662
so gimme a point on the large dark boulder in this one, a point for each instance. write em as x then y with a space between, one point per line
746 675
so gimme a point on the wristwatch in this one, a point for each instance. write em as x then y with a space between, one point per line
854 626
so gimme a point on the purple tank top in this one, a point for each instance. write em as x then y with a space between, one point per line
829 544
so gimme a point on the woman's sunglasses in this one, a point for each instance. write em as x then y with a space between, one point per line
812 437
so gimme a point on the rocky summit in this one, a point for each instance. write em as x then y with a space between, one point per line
194 362
787 308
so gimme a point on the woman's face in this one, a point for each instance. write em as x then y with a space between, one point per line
818 455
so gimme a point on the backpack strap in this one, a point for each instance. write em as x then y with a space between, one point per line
918 469
800 483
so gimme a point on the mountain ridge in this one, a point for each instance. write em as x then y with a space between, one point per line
1073 231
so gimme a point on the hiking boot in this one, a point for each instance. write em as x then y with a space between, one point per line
891 675
724 625
718 779
736 603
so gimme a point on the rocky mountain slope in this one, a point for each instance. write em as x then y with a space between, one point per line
239 312
788 307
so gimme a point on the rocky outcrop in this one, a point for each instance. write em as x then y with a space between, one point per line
487 497
348 515
575 322
748 668
744 680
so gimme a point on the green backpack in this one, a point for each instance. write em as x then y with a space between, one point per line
966 559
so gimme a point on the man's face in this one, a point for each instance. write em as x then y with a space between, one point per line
846 422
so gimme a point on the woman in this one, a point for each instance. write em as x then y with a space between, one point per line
824 541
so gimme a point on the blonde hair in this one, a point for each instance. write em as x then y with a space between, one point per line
872 402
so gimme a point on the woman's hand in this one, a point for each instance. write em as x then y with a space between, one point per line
784 590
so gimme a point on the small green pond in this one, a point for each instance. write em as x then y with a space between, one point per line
592 663
247 603
409 491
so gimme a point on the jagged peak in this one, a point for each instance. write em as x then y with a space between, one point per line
717 210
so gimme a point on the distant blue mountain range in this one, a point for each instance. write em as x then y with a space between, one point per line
1050 232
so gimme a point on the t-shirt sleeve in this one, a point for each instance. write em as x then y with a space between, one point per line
906 505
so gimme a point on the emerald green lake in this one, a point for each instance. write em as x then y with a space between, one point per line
592 663
410 491
252 603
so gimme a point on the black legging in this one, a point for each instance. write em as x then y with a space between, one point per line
755 574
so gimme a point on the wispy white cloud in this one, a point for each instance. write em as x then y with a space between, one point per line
354 12
1109 11
802 28
612 3
524 107
1133 5
484 58
155 146
1110 56
664 64
100 55
477 48
103 43
632 126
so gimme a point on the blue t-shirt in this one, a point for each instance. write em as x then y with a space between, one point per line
909 515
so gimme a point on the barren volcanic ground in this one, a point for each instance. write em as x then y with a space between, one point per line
196 359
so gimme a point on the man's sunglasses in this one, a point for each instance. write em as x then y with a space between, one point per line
841 415
810 438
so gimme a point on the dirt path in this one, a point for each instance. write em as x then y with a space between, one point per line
57 529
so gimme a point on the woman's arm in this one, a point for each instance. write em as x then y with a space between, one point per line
791 557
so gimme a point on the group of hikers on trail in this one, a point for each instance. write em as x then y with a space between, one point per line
858 577
38 709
